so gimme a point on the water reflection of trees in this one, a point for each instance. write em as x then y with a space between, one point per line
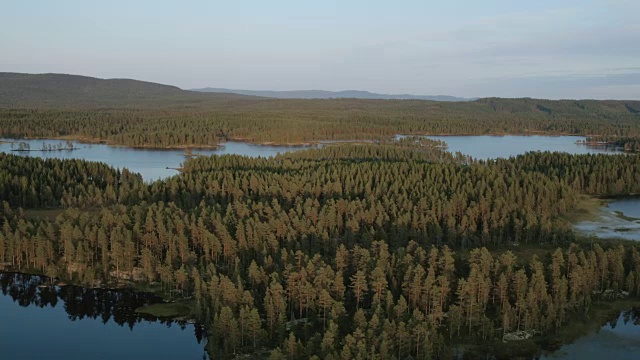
632 315
80 303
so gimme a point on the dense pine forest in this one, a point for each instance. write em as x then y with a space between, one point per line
135 113
385 250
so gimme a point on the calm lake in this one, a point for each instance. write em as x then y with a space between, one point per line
150 163
619 340
70 322
629 207
492 147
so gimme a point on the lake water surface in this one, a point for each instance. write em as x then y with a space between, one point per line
70 322
619 340
150 163
628 206
492 147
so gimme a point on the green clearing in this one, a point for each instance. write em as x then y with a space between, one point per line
587 209
172 309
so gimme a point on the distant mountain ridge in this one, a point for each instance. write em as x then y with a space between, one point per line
325 94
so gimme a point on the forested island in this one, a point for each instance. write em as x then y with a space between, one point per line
62 146
390 249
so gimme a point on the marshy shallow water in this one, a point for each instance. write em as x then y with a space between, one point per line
620 219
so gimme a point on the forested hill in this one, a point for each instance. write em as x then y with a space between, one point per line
136 113
63 91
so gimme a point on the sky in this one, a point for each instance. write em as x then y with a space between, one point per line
544 49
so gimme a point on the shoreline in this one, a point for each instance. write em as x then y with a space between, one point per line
307 143
138 287
89 141
526 133
52 150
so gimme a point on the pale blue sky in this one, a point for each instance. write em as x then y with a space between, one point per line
550 49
